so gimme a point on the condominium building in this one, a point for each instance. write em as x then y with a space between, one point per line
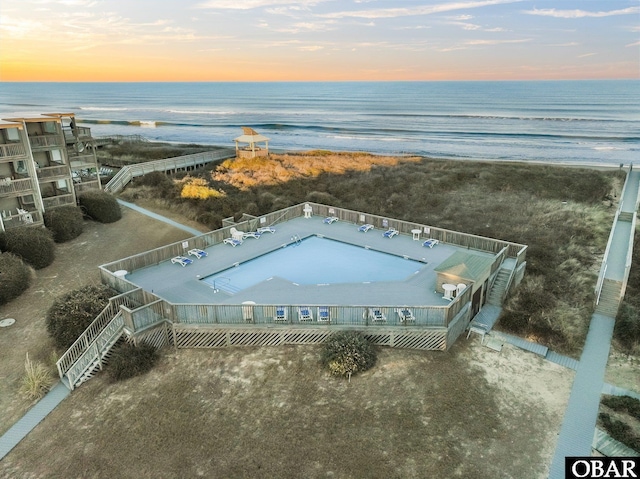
45 162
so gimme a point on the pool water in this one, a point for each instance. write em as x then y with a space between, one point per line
316 260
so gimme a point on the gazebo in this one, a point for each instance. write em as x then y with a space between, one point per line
251 137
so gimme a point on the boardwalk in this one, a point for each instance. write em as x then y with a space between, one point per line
577 431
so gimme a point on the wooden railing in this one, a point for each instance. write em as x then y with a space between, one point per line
48 172
9 187
45 141
15 220
77 349
124 176
86 185
53 201
12 151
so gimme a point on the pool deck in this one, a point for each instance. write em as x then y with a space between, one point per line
178 284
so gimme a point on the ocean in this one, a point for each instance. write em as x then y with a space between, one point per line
577 122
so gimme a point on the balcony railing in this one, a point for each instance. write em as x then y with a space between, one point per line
78 161
12 151
86 185
52 201
15 219
9 187
83 133
50 172
45 141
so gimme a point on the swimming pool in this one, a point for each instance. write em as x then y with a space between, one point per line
316 260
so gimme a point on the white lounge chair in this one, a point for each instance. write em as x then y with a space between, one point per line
236 235
198 253
365 228
266 229
251 234
323 314
390 233
281 314
405 315
232 241
430 242
305 314
181 260
331 219
377 316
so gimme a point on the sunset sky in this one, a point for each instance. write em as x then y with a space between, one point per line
289 40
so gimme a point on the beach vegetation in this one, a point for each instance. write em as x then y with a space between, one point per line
65 222
346 353
34 245
198 188
71 313
37 379
15 277
100 206
129 360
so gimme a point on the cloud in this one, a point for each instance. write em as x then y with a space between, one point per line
585 55
251 4
634 44
420 10
311 48
552 12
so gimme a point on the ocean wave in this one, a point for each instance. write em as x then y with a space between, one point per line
497 117
102 108
201 112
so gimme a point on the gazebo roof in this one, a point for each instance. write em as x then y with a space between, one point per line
250 136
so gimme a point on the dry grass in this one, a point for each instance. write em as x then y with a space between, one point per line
37 379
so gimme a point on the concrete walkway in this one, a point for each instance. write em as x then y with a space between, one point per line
577 431
158 217
32 418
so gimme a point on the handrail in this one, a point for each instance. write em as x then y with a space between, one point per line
600 283
122 178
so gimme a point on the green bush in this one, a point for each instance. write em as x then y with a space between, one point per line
627 327
64 222
73 312
15 277
346 353
620 431
34 245
624 404
100 206
128 361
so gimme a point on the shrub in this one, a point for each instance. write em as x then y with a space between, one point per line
128 361
37 379
620 431
627 327
15 277
348 352
64 222
73 312
100 206
624 404
34 245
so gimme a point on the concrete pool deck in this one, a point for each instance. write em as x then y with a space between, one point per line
179 284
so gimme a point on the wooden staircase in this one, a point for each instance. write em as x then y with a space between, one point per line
610 298
498 290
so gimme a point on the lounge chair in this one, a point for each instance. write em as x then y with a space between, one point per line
405 315
251 234
232 241
236 235
430 242
323 314
331 219
377 316
198 253
266 229
390 233
281 314
365 228
181 260
305 314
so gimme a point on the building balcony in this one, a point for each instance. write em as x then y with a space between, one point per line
50 173
80 162
20 217
45 141
86 185
10 187
11 152
82 132
53 201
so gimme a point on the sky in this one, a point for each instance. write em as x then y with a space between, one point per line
318 40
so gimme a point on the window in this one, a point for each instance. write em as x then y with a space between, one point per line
12 134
